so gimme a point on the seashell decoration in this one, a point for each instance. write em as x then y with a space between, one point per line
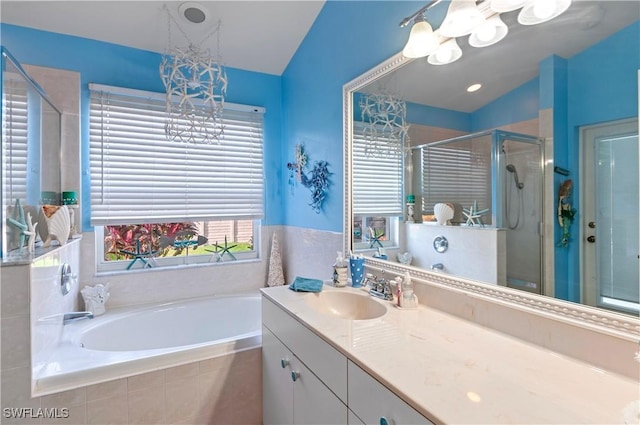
58 224
444 213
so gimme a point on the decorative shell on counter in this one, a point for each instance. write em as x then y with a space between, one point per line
58 224
444 213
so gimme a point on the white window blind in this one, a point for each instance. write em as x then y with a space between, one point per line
377 182
139 176
456 175
14 137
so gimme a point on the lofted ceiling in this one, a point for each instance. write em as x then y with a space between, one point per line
263 36
259 36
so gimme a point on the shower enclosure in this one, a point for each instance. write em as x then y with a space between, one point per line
498 171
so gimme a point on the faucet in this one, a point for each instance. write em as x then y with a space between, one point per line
437 266
75 316
380 286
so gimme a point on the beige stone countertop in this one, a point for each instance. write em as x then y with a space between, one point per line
456 372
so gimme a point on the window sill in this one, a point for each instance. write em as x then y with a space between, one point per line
176 267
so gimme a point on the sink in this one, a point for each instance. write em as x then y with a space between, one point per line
346 305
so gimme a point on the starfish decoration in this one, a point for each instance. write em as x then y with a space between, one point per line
18 222
474 216
386 129
220 251
374 239
144 257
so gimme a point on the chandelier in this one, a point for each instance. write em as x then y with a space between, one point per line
196 84
385 125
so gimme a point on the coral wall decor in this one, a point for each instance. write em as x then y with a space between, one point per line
317 181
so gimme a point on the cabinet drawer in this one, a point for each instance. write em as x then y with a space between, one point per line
371 401
325 361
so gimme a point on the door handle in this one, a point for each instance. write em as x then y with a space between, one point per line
592 225
591 239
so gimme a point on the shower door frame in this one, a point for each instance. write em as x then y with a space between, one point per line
498 162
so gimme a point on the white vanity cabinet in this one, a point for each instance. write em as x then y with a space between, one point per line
373 403
303 376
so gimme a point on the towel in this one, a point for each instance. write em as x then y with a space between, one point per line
305 284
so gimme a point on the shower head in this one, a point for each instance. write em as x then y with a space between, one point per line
512 169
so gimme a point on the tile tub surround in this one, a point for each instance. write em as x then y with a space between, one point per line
222 390
298 245
454 371
20 301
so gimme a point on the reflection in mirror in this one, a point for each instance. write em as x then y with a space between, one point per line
31 136
546 90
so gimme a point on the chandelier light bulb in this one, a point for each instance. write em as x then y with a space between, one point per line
422 40
538 11
486 32
543 9
490 32
448 52
462 17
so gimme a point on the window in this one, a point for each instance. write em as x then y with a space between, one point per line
14 137
458 173
377 195
151 194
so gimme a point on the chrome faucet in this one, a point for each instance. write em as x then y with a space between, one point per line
75 316
380 286
437 266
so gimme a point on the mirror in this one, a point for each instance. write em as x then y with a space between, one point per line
31 139
546 89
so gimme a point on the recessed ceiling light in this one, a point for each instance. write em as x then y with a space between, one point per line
193 12
474 87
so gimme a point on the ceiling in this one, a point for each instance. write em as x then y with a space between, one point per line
263 35
259 36
509 63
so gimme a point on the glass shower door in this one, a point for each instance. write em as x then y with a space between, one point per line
521 191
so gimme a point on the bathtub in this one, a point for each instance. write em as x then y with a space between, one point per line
129 341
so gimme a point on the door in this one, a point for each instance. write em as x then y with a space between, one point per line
610 254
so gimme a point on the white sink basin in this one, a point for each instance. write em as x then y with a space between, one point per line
346 305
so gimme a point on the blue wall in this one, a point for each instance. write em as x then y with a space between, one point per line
602 84
520 104
347 38
115 65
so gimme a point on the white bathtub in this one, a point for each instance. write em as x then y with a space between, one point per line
129 341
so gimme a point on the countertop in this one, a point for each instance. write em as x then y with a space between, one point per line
456 372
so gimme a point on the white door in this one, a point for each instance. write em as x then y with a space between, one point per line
610 262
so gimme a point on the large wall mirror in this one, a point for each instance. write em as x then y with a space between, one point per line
552 133
31 144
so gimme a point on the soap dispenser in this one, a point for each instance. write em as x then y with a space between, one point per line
340 271
409 299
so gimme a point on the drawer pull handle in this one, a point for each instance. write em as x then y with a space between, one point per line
385 421
295 375
284 362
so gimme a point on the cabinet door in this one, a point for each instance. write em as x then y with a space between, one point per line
277 388
313 402
376 404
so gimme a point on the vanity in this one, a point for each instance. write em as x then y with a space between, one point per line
341 356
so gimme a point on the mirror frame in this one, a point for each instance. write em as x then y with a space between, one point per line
600 320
